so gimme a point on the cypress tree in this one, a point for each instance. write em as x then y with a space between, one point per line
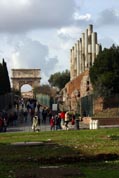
7 87
1 80
4 79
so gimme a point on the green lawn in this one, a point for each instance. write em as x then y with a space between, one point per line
94 152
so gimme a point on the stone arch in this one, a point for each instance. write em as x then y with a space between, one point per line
21 77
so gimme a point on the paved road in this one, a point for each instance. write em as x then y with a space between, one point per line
27 128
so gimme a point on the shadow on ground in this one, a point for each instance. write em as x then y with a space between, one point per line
30 160
50 172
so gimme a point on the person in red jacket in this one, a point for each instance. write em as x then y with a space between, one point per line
62 116
52 123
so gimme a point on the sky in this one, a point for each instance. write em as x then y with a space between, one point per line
40 33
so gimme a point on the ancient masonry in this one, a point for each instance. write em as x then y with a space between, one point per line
83 53
21 77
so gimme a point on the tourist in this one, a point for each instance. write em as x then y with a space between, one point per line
77 121
4 125
44 115
58 122
35 123
66 120
25 114
52 123
62 116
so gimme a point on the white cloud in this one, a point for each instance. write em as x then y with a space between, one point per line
27 53
25 15
14 60
108 17
116 11
69 33
8 3
86 17
33 54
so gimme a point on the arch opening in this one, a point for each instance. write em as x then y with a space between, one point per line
26 91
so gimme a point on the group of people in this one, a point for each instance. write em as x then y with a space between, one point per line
31 110
55 122
59 121
64 119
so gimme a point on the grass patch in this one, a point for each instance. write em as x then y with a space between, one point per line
95 152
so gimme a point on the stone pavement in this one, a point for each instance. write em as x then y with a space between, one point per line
27 127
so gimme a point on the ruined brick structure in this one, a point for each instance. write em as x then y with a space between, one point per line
82 57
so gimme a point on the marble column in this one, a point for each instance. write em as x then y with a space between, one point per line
78 58
94 42
80 55
86 49
83 52
71 60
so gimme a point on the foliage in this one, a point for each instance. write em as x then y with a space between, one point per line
4 79
45 89
7 86
1 80
104 74
16 92
59 79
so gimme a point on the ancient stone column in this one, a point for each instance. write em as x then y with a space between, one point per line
90 31
83 52
75 60
89 55
80 56
97 49
71 64
94 42
86 49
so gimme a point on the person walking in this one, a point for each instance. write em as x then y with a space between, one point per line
35 123
44 115
77 121
62 116
66 120
4 125
25 114
58 122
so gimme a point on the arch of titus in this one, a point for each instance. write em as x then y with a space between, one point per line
25 76
84 52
